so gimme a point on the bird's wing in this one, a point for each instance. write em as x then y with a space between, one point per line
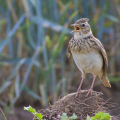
69 52
104 55
68 49
104 78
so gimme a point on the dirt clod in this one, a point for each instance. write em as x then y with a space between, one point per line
81 106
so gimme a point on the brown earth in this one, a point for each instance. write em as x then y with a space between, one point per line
81 106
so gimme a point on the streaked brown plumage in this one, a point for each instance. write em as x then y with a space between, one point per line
88 53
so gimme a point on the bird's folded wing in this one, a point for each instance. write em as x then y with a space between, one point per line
68 51
104 55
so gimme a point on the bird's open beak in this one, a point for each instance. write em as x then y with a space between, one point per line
76 28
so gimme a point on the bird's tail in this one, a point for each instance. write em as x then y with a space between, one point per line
105 81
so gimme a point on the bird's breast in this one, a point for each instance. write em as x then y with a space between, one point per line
91 62
82 45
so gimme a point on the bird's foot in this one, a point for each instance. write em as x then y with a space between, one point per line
80 91
77 93
89 91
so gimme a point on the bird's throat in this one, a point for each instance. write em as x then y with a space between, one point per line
81 35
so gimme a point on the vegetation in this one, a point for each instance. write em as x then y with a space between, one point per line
39 115
100 116
65 117
33 111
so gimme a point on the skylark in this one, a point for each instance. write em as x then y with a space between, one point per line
88 53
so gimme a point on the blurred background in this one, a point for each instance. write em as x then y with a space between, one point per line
34 67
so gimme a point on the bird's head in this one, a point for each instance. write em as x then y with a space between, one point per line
82 28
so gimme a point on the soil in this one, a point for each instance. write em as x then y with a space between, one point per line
81 106
19 114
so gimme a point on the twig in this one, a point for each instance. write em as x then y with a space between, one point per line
3 114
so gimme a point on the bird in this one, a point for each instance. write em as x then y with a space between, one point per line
88 54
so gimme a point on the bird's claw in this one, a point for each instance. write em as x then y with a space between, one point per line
89 91
77 93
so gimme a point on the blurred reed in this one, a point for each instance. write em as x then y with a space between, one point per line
33 44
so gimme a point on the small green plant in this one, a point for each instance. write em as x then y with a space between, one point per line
33 111
65 117
100 116
39 115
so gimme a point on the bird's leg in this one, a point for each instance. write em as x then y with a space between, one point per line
90 90
79 88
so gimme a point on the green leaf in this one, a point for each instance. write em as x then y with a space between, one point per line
94 118
105 116
30 92
38 115
64 116
111 17
98 115
33 111
88 117
30 109
73 117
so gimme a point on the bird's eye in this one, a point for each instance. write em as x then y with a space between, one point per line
83 25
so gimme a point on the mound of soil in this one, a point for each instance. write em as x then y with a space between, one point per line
81 106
